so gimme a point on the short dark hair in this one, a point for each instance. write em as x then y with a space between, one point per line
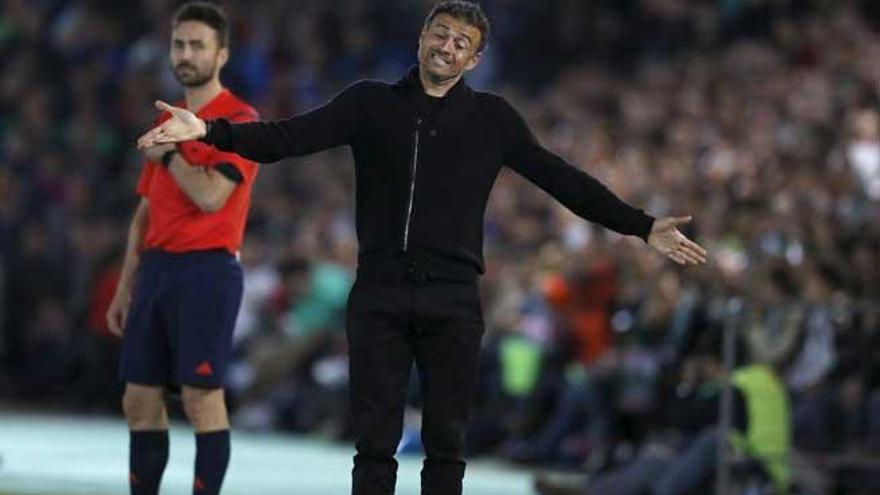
469 12
207 13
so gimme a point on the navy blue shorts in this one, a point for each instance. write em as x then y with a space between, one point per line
180 322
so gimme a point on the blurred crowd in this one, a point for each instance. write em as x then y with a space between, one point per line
758 117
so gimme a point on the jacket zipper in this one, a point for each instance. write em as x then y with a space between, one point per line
412 185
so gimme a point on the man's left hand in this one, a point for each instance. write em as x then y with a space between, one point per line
666 238
154 153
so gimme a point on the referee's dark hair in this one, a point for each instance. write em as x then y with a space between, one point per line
469 12
207 13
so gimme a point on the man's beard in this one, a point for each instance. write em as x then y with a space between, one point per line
194 78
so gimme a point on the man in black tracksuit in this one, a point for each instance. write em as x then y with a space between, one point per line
427 150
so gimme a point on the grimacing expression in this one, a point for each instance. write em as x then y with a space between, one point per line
448 48
196 57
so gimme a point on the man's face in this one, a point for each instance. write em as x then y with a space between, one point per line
196 57
448 48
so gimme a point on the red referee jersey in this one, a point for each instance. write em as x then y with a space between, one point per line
175 223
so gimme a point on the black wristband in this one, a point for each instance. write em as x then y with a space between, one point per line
167 157
229 171
208 125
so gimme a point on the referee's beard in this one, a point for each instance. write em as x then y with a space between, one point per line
190 76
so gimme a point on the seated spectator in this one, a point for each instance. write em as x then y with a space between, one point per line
761 430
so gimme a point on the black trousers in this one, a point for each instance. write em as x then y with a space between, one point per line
396 318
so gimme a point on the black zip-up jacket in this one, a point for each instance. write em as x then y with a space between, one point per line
423 177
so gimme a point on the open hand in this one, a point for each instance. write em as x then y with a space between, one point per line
666 238
182 126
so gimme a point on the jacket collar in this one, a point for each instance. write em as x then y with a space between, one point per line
455 98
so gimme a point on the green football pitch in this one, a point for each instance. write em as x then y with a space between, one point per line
64 455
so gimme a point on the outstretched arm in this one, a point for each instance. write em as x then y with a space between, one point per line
325 127
590 199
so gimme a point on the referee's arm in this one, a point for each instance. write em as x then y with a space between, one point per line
117 312
207 187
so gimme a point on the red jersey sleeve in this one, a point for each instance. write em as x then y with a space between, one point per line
201 154
247 168
196 153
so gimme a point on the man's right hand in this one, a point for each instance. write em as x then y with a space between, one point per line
182 126
117 313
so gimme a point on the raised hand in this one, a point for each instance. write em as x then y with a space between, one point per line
666 238
182 126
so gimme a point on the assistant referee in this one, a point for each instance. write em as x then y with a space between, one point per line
181 284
